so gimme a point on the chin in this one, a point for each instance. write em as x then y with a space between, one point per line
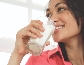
57 40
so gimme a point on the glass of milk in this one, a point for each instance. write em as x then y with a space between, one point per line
37 45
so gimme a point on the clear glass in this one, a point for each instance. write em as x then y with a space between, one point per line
37 45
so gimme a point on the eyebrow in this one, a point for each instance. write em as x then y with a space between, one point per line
59 3
55 5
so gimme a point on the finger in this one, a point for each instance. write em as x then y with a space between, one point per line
37 25
35 31
26 35
37 21
30 34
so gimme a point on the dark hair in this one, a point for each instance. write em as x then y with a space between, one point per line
76 8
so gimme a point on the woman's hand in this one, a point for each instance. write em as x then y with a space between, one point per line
25 33
22 38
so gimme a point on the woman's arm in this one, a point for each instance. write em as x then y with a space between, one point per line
15 59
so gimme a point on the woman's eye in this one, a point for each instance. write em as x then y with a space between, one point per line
61 9
48 15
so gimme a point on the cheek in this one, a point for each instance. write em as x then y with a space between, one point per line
71 28
65 17
71 25
68 20
58 37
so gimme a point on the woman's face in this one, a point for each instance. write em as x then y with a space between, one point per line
66 25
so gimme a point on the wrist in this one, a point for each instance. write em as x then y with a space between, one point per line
15 58
15 52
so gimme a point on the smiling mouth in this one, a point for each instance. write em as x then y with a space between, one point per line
59 27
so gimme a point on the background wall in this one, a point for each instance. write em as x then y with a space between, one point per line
14 15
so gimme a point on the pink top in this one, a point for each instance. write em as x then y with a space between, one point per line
48 58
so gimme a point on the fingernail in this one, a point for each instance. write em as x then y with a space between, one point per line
40 35
42 29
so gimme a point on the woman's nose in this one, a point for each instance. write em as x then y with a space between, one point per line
55 21
55 18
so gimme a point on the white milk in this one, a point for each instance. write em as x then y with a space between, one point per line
49 29
38 43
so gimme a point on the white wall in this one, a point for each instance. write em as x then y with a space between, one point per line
14 15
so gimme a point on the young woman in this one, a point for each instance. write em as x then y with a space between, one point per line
68 16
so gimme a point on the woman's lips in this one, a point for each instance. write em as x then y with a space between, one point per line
58 28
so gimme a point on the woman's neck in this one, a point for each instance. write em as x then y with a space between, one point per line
75 50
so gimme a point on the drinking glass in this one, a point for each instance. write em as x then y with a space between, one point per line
37 45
